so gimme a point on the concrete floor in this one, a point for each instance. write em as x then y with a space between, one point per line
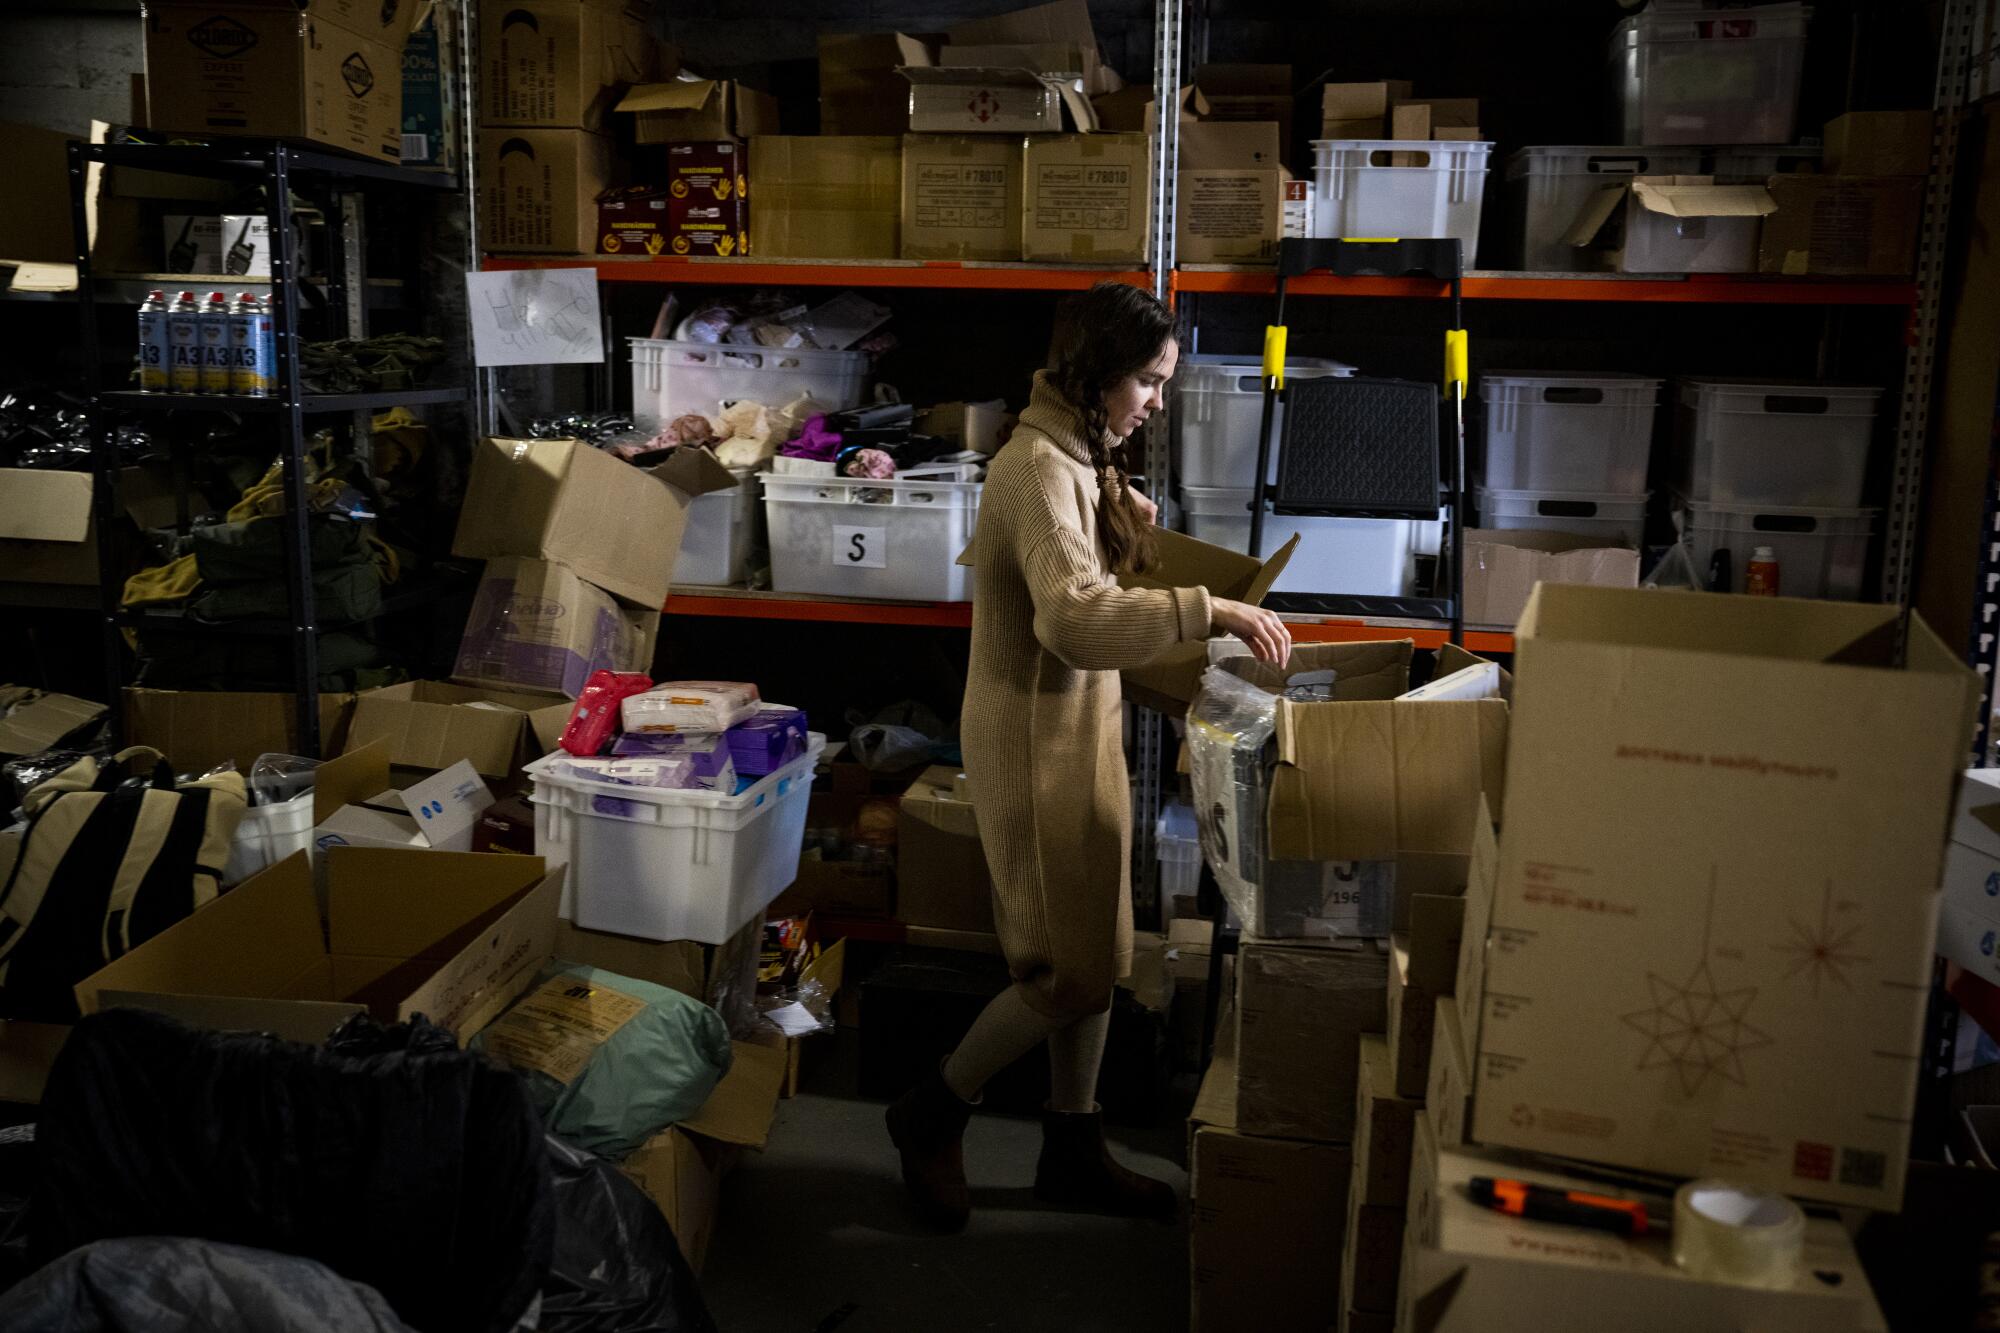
815 1233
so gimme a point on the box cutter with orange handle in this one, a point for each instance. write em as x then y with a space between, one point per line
1545 1203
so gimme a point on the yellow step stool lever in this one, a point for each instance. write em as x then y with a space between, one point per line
1457 359
1274 355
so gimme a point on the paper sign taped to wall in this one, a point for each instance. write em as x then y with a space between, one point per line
535 317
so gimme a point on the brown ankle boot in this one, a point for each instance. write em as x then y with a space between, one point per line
927 1126
1077 1169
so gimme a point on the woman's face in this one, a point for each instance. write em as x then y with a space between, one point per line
1130 401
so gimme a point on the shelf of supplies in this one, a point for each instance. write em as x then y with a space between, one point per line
132 288
745 604
257 157
312 404
1699 289
833 272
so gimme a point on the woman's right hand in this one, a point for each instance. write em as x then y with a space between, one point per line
1269 638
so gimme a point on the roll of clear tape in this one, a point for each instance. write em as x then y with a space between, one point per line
1725 1233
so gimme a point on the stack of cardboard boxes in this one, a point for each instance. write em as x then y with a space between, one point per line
1860 216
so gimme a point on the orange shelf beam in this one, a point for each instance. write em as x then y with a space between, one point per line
1715 289
803 273
777 606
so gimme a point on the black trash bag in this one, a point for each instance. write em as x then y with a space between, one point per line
153 1284
418 1169
617 1266
17 1175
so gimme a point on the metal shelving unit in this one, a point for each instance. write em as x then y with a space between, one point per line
280 168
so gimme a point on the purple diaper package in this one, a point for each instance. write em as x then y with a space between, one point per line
769 740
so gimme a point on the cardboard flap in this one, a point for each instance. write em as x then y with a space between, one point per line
492 961
548 723
448 802
745 1102
1186 562
40 506
1081 113
41 725
394 902
1697 197
349 779
301 1020
695 472
1597 211
680 95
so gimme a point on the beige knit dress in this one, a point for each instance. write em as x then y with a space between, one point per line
1042 729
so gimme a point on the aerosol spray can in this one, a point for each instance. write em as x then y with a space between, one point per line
253 348
154 350
1760 576
215 343
184 344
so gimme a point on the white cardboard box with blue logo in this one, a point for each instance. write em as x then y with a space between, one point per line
1969 918
437 813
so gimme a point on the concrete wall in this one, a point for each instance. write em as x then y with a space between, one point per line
62 66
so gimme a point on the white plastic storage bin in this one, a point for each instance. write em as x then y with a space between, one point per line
1657 243
1750 443
890 540
1179 844
1587 433
671 865
1358 192
1367 556
672 378
722 534
1748 165
1221 409
1687 74
1615 520
1547 188
1821 552
267 835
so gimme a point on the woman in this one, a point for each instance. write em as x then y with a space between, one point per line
1043 741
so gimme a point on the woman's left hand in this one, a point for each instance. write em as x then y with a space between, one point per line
1148 511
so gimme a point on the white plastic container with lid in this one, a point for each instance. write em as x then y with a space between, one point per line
1615 520
267 835
888 540
1547 188
1685 73
1179 844
724 531
1749 442
1821 552
1553 432
1221 409
671 864
671 378
1365 556
1361 188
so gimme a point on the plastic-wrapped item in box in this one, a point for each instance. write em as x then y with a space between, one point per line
692 771
768 740
689 706
636 744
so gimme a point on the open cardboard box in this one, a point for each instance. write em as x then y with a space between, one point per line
1674 224
431 724
38 721
691 110
1502 568
198 729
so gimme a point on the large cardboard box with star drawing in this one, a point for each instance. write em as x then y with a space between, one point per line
1711 942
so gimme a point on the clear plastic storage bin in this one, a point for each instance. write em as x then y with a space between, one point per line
1821 552
1685 74
1220 410
1615 520
1754 165
1750 443
889 540
672 378
722 534
1358 191
1366 556
1587 433
1179 845
1547 188
671 865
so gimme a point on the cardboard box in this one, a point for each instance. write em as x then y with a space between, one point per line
506 827
535 625
1411 1020
941 876
983 426
634 220
1677 224
32 721
708 198
1712 937
47 530
860 91
1969 917
1842 225
867 887
1229 183
430 724
538 189
1004 101
1490 1273
437 814
1250 93
617 526
1087 198
681 1168
35 162
1301 1010
560 63
1133 109
1469 991
450 935
1878 143
1170 682
698 111
962 197
198 729
1061 23
1187 960
1265 1217
1448 1091
431 121
1429 117
828 198
1502 568
1384 1128
204 243
1371 1257
715 974
1359 110
332 75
